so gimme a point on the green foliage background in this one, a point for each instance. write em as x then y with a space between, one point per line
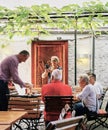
34 21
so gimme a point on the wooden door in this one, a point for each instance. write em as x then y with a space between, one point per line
42 52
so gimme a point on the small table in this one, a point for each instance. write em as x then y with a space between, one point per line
10 117
4 127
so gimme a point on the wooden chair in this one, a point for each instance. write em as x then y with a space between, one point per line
54 104
98 119
65 124
30 105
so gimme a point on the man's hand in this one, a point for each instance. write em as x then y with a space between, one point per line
28 85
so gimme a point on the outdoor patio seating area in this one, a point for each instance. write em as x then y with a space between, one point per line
54 65
34 121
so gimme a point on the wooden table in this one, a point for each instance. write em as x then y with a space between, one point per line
4 127
10 117
25 95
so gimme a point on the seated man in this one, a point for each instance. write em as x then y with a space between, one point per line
97 87
87 97
55 88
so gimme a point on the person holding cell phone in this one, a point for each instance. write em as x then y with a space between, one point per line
46 75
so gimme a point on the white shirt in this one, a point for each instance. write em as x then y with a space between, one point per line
99 91
88 96
98 88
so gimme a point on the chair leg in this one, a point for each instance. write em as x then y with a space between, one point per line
102 122
98 122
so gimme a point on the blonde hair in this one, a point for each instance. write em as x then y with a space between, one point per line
55 58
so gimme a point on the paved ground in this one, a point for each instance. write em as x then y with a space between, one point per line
101 128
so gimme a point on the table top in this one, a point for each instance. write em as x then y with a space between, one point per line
4 127
10 117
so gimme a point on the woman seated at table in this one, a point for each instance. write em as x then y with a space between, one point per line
87 97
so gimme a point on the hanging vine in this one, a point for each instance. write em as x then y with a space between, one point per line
34 20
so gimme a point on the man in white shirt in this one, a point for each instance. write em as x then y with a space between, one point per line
87 97
97 87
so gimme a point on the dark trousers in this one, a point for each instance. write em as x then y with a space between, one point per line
80 109
4 90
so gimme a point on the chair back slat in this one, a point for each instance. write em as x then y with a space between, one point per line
56 103
30 105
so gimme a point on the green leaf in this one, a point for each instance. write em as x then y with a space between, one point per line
33 21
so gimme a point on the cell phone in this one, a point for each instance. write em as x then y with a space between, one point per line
47 66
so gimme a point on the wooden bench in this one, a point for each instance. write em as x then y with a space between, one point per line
65 124
29 104
69 127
